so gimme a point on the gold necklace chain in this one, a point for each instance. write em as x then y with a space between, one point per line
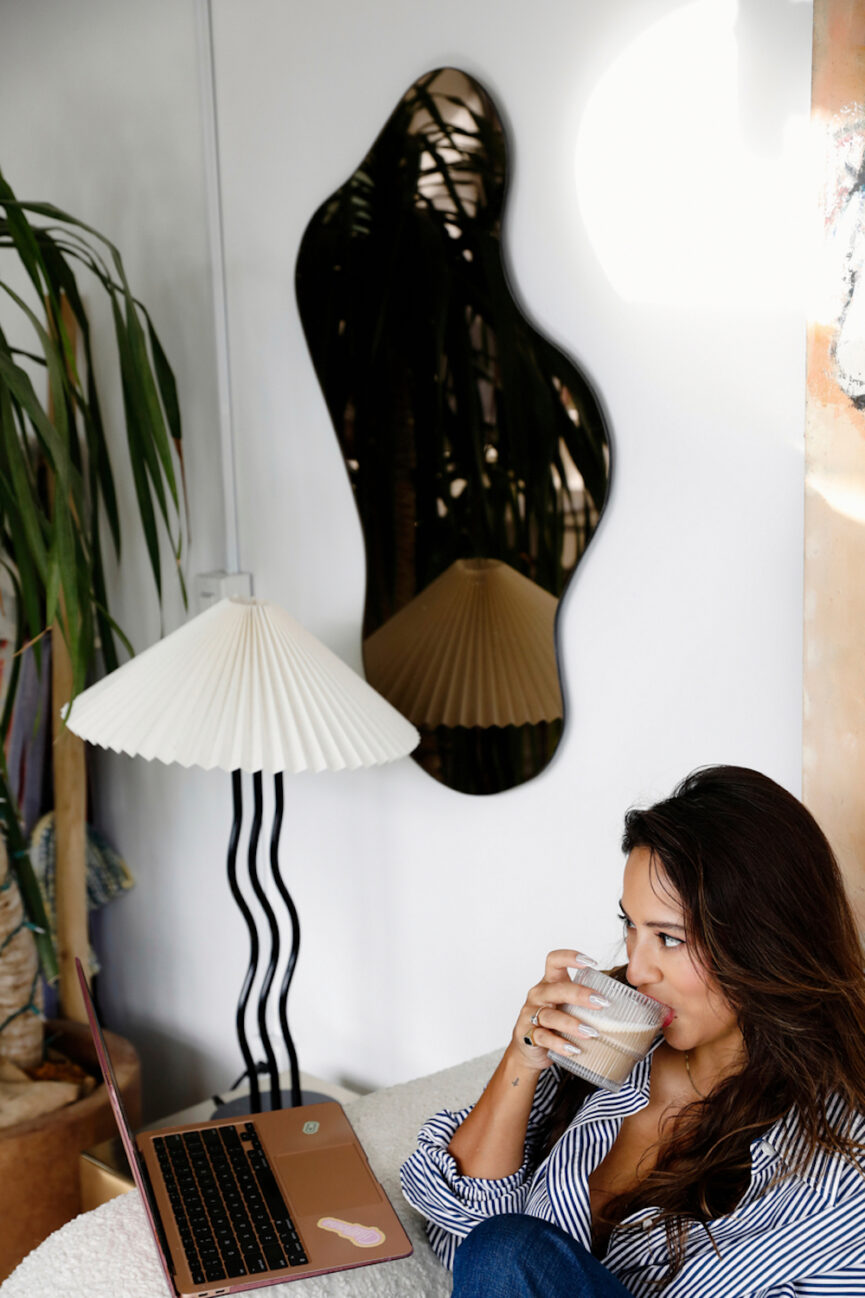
690 1078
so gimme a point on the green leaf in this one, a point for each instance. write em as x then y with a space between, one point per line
14 665
23 514
140 450
106 627
55 439
22 236
19 860
103 614
52 590
143 378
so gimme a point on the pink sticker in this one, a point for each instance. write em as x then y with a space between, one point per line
361 1236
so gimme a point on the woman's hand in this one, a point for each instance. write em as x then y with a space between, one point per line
540 1024
490 1143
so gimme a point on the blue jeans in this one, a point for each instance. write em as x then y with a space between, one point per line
515 1256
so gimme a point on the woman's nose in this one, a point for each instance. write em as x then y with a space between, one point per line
642 969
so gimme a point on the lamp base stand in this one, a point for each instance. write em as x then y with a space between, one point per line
241 1108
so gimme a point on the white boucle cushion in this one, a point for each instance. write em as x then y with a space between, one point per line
109 1252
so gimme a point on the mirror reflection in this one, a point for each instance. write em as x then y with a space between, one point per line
478 452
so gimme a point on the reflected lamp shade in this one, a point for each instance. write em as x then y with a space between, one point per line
242 686
245 687
475 648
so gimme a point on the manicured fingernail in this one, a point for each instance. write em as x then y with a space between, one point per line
571 1050
600 1001
586 960
584 1030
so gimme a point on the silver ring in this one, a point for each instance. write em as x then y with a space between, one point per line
534 1019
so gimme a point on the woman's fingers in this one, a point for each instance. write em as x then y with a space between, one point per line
559 962
540 1023
541 1038
531 1048
558 1023
557 987
545 1039
529 1037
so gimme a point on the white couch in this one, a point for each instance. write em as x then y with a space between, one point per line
109 1252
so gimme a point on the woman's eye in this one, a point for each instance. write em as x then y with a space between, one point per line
625 922
670 941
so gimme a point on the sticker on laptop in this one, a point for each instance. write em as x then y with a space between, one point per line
360 1236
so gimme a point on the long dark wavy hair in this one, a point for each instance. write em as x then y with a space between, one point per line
767 915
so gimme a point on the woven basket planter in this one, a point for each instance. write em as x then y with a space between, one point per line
39 1159
20 996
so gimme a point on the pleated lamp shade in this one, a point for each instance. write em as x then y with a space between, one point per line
242 686
475 648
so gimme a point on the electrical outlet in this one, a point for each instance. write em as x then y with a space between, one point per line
210 587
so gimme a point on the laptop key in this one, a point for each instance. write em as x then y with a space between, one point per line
274 1256
271 1191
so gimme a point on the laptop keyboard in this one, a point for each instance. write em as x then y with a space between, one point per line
229 1210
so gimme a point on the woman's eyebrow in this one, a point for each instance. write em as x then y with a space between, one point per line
655 923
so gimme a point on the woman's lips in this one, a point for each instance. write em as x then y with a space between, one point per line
671 1013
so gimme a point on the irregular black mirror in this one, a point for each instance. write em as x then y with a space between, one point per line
477 451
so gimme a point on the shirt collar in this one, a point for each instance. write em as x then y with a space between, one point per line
786 1142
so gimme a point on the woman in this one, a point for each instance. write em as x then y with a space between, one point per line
732 1161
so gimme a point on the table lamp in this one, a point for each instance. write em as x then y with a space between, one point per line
245 687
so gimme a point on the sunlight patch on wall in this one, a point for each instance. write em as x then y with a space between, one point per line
679 209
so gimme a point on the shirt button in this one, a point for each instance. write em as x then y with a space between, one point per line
767 1148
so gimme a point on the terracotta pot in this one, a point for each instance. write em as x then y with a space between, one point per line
39 1178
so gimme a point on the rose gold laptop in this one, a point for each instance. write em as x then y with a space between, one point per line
256 1200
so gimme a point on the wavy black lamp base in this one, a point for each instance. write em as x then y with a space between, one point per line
277 1098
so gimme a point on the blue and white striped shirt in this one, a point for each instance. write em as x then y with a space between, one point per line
792 1235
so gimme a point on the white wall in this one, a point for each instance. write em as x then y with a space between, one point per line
651 232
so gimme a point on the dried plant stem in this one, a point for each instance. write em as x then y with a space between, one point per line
70 795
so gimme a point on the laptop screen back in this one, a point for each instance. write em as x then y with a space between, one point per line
139 1172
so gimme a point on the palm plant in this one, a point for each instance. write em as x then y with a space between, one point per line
57 496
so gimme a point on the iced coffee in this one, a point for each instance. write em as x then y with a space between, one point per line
626 1029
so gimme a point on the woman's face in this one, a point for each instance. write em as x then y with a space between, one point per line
662 965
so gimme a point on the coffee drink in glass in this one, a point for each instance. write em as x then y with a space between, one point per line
626 1029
